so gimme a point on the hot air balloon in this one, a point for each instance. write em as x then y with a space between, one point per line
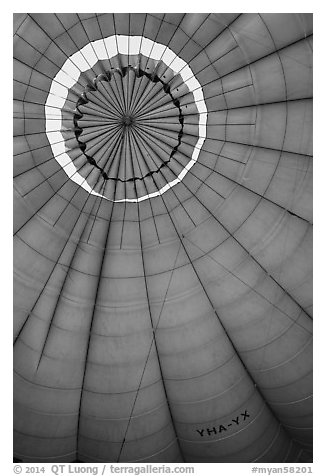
163 237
